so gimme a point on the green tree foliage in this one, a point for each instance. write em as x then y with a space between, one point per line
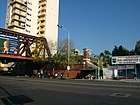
57 61
76 59
105 58
132 52
60 59
120 51
137 48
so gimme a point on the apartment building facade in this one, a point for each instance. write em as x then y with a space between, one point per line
34 17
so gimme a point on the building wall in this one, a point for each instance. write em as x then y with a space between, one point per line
51 33
69 74
16 15
34 17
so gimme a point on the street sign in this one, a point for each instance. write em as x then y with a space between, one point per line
68 67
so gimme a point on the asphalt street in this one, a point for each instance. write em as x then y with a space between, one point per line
35 91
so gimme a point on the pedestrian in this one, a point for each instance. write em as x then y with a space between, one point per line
41 73
101 74
61 75
135 76
56 75
38 74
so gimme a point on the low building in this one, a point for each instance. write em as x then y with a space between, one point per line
126 67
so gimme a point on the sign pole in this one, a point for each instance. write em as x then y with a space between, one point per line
126 71
135 70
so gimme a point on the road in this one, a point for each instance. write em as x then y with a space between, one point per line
32 91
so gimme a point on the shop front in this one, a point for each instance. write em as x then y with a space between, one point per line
126 67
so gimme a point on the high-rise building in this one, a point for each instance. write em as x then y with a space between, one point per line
34 17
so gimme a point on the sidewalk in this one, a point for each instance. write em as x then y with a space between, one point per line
37 79
131 80
121 80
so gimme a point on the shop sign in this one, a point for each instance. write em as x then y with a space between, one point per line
112 67
124 67
126 59
121 67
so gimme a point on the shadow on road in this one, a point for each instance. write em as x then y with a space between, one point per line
15 100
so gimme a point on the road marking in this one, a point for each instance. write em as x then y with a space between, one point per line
120 95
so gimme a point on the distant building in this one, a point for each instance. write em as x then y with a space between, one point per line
34 17
88 59
77 52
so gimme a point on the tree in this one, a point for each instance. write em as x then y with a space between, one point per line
105 58
76 59
120 51
132 52
60 59
63 46
115 51
52 46
137 48
57 61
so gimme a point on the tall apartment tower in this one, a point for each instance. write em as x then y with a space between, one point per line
34 17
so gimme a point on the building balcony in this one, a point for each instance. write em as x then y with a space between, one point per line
16 24
42 3
19 2
15 29
16 12
41 24
19 14
41 18
23 8
42 14
17 19
16 6
41 30
42 8
41 35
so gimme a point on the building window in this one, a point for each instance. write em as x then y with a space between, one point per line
28 25
28 14
28 31
21 24
23 7
21 18
28 19
30 3
29 9
22 13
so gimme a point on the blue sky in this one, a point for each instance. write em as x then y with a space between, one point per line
97 24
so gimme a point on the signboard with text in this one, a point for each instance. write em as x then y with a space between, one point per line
126 59
8 44
121 67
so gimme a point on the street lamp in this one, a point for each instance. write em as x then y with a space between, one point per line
68 36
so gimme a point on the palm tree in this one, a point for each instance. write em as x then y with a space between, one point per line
105 58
